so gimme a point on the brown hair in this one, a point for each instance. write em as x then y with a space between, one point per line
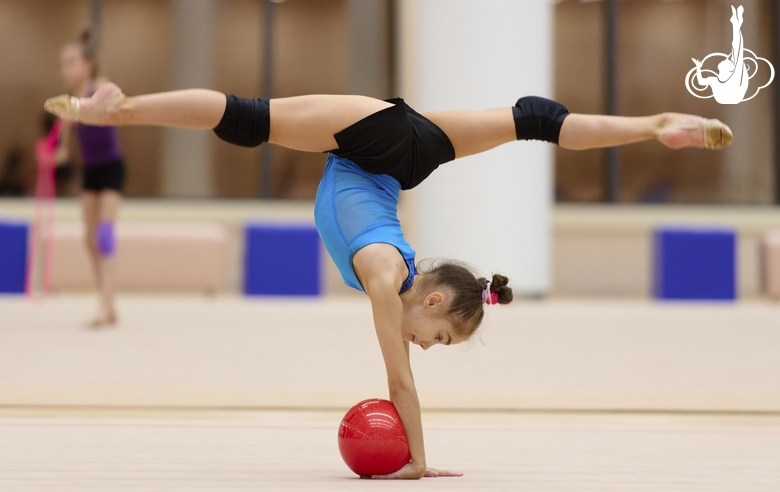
466 309
87 46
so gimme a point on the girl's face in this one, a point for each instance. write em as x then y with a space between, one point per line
74 68
426 325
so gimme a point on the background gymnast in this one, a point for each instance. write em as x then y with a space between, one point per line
103 175
377 148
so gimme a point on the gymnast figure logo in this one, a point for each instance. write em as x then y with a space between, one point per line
730 84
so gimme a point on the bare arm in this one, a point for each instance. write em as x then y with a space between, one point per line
381 270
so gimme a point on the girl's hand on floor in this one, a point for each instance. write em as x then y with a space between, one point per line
409 471
435 472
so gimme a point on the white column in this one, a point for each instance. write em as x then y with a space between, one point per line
493 209
187 156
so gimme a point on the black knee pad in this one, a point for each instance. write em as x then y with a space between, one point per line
537 118
246 122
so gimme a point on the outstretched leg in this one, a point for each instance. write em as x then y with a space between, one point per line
309 122
198 109
674 130
303 123
472 132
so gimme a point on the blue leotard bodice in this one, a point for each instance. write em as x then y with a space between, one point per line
355 208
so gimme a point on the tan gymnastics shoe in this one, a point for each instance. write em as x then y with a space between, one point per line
64 106
692 131
102 109
716 134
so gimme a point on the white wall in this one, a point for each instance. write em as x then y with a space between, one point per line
492 209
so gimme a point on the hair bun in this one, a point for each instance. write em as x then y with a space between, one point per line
500 285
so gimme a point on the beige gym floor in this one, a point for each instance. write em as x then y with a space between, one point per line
135 449
136 407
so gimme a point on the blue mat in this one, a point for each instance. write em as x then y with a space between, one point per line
695 264
13 256
282 259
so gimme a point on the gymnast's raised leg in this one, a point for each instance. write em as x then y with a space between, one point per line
310 122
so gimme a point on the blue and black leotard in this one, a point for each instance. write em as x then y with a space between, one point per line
357 201
391 150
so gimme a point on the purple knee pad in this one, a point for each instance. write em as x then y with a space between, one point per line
106 244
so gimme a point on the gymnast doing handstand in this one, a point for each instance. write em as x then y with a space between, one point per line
376 149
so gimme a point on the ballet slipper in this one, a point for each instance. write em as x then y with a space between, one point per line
717 134
66 107
100 109
710 134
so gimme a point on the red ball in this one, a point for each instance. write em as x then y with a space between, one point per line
372 440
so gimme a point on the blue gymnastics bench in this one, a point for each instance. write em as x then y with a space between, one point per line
282 260
13 256
695 264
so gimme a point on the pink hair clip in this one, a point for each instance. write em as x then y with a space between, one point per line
489 297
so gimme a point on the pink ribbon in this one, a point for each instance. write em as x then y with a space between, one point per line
43 218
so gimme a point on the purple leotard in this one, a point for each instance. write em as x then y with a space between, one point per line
99 144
